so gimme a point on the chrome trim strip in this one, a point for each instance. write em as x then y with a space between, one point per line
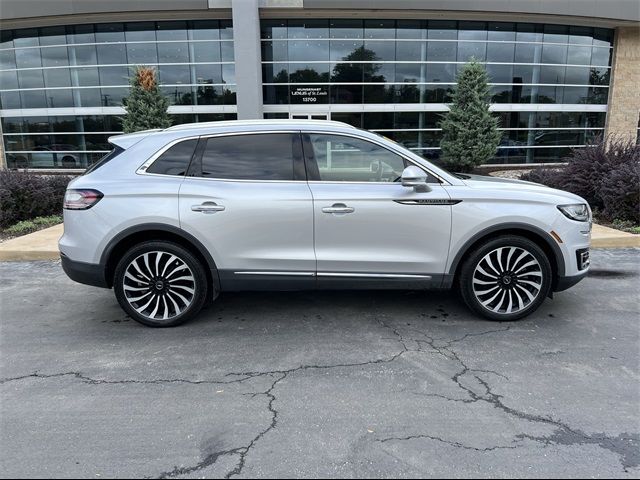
296 274
372 275
334 274
429 201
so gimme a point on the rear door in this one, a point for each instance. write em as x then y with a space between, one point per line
247 200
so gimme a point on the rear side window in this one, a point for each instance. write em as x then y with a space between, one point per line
109 156
252 157
175 160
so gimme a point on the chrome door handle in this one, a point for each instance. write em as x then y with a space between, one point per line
207 207
338 208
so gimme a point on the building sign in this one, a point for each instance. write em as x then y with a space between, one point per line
311 94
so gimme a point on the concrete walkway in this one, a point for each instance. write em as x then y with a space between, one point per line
605 237
40 245
43 245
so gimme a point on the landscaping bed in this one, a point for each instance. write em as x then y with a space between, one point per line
607 175
25 227
29 202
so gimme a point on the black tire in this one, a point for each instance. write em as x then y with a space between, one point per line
167 275
69 162
515 281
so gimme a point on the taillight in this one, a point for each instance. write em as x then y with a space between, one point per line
81 199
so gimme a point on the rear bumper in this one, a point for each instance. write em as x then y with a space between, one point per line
564 283
87 273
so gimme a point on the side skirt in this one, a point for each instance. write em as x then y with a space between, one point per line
291 281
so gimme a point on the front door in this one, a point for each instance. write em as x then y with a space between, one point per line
248 202
367 225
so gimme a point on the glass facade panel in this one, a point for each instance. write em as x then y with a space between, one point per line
363 63
372 62
88 66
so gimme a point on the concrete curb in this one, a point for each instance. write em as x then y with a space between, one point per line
605 237
43 245
40 245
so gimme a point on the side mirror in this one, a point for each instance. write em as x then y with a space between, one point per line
415 178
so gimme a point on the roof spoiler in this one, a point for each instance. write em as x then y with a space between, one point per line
129 139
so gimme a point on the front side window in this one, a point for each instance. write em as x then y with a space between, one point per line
175 160
251 157
347 159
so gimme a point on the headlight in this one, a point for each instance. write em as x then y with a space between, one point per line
579 212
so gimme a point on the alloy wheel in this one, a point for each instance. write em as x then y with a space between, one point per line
159 285
507 280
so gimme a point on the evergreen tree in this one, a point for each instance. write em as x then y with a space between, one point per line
470 131
146 107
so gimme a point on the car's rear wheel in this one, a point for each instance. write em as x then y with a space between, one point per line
160 284
505 278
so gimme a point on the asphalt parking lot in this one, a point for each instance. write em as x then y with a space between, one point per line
330 384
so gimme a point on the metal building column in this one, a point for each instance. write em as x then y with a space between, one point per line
246 45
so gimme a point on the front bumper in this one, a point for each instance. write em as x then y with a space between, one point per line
564 283
87 273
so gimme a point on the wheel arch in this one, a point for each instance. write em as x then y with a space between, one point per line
535 234
122 242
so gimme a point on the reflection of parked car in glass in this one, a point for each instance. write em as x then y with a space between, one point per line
46 156
569 137
55 155
512 152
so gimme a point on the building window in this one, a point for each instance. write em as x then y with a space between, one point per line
88 66
366 63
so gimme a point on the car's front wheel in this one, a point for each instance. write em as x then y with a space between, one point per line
160 284
505 278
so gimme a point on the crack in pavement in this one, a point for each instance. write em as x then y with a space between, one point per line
449 442
94 381
624 445
243 451
282 374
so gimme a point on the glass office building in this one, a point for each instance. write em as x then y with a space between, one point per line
366 63
62 84
87 67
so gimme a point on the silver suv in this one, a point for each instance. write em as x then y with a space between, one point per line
171 218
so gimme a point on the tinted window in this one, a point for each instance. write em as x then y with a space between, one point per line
347 159
250 157
108 157
175 160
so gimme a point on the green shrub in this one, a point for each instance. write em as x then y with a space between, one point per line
606 175
25 195
28 226
146 105
470 135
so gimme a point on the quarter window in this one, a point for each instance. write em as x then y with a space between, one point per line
175 160
251 157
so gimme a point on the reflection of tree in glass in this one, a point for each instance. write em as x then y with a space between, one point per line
362 72
308 75
356 72
597 95
598 78
207 95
